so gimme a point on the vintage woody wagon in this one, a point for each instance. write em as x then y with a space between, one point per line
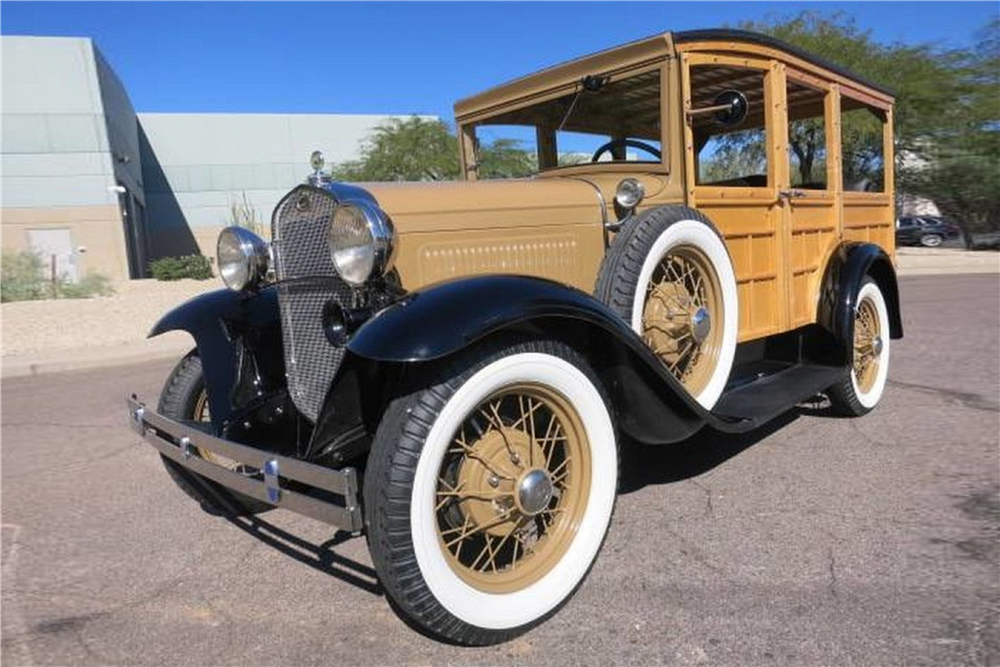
451 368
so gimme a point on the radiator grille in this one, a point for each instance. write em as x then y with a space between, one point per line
299 229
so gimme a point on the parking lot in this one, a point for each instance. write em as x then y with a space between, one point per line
816 541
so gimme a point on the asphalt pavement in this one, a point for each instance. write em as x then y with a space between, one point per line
816 541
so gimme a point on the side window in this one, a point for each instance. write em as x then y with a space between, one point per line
862 129
579 147
807 136
728 155
506 151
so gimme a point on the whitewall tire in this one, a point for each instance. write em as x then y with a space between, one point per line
490 489
862 387
669 275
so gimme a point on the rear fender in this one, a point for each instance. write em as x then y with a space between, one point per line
218 321
846 271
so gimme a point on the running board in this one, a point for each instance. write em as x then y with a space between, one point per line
751 405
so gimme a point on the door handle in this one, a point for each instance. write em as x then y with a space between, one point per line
791 194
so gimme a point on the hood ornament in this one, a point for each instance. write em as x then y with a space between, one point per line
317 162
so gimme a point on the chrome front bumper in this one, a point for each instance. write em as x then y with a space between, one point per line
180 443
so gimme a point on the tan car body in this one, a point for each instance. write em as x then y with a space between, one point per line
553 225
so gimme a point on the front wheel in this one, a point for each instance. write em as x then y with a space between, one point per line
931 240
185 399
489 490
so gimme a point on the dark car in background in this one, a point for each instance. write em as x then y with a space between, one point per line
927 231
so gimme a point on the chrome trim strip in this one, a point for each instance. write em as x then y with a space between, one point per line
601 201
176 441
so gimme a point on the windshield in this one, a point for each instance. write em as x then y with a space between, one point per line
602 121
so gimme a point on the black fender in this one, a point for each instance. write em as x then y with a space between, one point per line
651 405
845 272
217 320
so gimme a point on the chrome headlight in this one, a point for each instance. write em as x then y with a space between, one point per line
629 193
361 240
243 258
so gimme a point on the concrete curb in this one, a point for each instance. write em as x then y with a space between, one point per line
912 262
174 347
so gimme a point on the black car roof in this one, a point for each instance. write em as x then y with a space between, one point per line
766 40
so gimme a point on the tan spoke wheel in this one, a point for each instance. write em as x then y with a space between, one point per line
681 318
202 414
512 488
867 345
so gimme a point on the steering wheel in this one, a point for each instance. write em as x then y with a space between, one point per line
628 143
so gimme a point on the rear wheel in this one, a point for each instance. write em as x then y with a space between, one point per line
184 399
931 240
861 389
490 489
669 275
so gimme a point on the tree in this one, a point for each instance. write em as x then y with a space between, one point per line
415 149
947 113
421 149
962 169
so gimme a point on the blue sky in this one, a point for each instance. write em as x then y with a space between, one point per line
400 57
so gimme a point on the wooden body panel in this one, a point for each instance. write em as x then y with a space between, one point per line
780 239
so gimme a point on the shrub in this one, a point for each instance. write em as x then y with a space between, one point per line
196 267
22 278
92 284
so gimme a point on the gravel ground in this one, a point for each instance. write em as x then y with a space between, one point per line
33 327
67 324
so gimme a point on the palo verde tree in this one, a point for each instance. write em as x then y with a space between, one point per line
947 114
421 149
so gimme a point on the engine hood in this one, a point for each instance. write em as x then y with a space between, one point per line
550 228
476 205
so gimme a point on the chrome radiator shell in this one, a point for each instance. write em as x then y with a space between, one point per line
306 281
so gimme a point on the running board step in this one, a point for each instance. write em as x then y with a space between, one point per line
766 398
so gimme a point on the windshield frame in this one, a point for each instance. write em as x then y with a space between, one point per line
467 126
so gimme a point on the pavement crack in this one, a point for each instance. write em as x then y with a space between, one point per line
72 467
55 425
831 567
695 554
855 426
709 507
964 399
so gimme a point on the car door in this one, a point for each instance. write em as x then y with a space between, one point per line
731 176
808 187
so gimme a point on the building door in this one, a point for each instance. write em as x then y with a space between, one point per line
55 246
133 226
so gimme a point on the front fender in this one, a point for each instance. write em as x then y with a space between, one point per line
449 316
652 405
216 320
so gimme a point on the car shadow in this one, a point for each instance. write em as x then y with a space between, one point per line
321 557
641 465
644 465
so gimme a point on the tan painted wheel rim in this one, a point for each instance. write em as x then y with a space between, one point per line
683 284
201 413
867 339
490 535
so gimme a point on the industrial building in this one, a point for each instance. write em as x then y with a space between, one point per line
103 188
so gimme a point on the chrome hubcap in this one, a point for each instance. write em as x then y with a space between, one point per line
534 491
877 345
701 324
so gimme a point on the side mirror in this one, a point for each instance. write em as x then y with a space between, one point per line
733 108
729 108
